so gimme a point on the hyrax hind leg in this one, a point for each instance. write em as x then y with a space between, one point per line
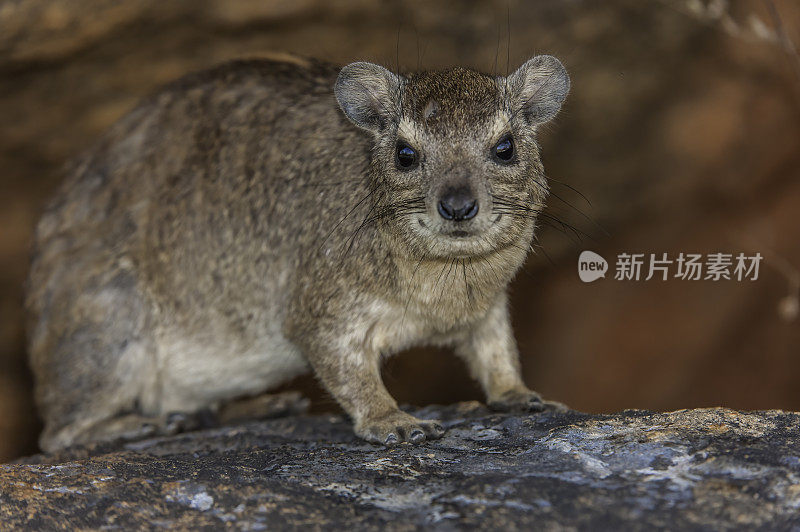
131 427
97 374
90 353
264 406
135 426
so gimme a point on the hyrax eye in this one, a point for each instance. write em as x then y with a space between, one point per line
405 156
504 150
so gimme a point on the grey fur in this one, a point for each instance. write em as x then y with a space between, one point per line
236 230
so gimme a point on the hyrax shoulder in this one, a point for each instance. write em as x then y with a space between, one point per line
252 222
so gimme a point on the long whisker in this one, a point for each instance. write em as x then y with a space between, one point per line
583 214
410 283
525 211
575 190
467 291
363 223
351 211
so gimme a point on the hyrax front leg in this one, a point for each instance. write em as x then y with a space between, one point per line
352 374
491 354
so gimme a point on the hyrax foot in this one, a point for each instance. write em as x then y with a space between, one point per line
265 406
524 401
518 400
177 422
399 427
132 427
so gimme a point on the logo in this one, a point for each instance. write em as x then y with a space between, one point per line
684 266
591 266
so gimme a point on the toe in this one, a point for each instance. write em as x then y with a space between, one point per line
555 406
399 427
433 430
535 404
516 400
415 435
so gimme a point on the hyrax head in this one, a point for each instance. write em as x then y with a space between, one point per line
455 164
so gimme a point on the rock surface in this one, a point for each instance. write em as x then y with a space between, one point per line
690 469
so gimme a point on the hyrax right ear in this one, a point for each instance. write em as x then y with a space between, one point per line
538 88
368 94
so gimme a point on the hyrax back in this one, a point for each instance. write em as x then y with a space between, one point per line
264 218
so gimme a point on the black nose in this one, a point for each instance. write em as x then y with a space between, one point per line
458 205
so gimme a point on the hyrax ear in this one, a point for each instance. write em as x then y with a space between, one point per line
538 88
368 94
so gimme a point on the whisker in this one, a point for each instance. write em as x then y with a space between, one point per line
351 211
575 190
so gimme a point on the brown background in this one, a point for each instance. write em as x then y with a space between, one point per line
682 129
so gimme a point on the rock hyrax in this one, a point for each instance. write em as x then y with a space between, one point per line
267 218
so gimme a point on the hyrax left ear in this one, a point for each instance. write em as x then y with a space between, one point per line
368 94
538 88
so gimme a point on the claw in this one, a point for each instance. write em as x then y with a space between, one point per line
398 427
524 400
416 436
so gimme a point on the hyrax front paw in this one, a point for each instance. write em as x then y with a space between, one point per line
398 427
518 400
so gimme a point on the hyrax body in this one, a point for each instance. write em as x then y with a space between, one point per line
266 218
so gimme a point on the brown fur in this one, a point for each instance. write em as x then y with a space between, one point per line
236 229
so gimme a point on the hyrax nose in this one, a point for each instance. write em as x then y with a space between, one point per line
458 204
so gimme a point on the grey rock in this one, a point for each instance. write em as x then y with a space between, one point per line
691 469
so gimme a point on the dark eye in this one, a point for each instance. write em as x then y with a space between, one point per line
405 156
504 150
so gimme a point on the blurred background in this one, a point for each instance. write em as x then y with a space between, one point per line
681 134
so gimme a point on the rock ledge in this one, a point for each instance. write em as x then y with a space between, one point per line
690 469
